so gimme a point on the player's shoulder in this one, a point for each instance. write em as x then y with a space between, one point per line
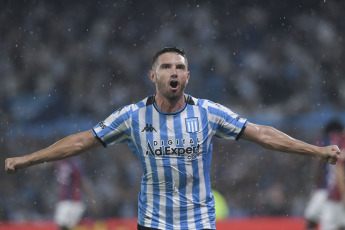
204 103
190 100
130 108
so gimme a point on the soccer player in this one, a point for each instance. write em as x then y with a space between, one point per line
171 133
333 213
333 134
70 208
73 184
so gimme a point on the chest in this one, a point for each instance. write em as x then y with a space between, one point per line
178 135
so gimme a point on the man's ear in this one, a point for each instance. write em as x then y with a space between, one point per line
188 76
152 76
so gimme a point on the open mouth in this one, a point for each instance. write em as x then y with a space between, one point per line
173 84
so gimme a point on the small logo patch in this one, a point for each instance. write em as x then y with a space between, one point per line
149 128
192 125
102 125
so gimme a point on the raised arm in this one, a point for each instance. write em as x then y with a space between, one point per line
271 138
68 147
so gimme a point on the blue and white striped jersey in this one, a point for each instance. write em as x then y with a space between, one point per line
175 150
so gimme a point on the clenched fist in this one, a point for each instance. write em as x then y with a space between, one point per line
13 164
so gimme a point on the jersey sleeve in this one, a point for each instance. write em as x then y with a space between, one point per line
115 129
229 125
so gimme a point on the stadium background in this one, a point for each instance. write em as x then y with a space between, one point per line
66 65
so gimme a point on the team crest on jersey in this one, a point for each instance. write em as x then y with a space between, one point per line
192 125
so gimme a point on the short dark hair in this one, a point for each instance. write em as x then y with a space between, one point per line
170 49
334 126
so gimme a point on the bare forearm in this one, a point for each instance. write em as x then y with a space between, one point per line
67 147
276 140
273 139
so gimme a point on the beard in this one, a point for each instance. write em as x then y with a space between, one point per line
171 95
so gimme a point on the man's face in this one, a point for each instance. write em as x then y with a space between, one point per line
170 75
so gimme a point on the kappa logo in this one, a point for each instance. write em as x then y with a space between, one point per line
119 110
102 125
149 128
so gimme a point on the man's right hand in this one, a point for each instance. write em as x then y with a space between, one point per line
13 164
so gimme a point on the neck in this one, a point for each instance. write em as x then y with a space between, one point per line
169 105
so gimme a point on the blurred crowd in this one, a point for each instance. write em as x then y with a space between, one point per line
66 65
